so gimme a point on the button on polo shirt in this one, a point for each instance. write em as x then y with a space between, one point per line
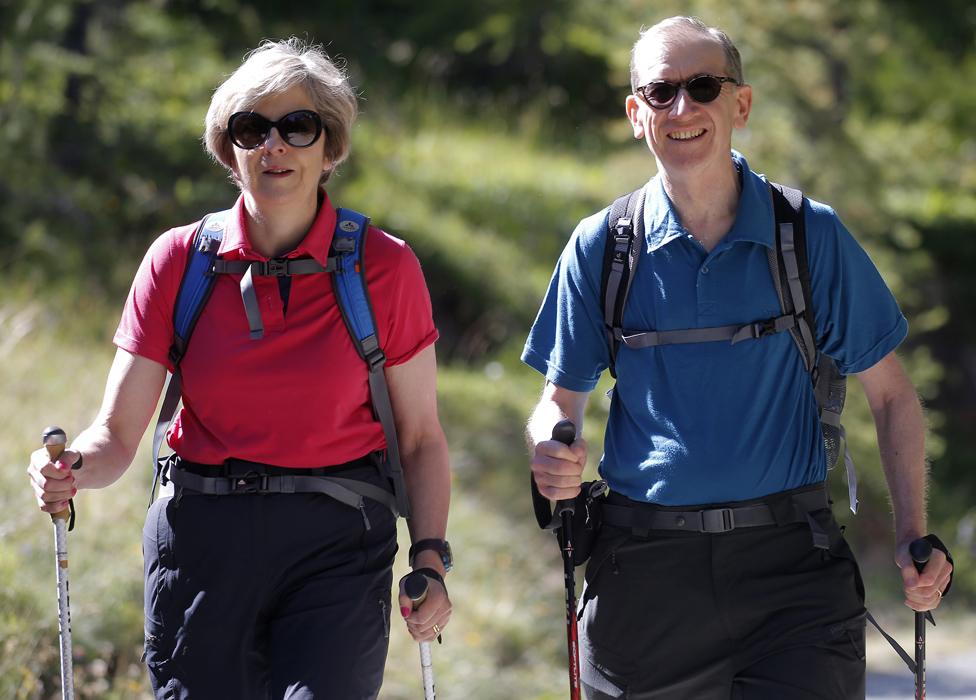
704 423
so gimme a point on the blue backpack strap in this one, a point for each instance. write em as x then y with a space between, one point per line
195 290
349 283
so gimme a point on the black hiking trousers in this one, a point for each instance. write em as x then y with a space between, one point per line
267 597
756 613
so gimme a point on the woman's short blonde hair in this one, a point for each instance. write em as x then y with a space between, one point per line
272 68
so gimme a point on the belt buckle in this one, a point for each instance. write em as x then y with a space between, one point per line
251 482
717 520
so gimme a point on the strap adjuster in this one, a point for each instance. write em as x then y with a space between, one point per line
717 520
763 328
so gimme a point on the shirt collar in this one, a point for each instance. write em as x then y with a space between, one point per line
753 219
236 244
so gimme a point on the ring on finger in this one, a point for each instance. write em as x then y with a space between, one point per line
437 630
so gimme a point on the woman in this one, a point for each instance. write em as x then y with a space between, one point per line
258 592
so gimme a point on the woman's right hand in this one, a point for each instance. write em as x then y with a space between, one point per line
53 482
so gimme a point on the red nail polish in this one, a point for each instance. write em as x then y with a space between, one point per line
405 611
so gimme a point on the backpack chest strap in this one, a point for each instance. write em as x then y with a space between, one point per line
276 267
732 334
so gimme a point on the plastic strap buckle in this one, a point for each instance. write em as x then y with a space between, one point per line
373 353
763 328
717 520
275 268
251 482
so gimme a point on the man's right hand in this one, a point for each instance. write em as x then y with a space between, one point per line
53 482
558 468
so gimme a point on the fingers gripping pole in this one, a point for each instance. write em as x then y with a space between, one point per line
54 441
415 586
921 551
565 432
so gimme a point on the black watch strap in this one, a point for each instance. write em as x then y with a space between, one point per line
440 546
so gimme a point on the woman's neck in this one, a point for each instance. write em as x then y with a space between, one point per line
276 229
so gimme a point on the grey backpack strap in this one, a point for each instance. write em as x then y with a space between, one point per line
625 226
790 270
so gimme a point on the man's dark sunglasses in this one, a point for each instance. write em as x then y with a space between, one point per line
249 130
660 94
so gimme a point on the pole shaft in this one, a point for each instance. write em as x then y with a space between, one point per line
427 670
919 656
64 606
920 551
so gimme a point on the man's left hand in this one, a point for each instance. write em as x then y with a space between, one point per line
923 591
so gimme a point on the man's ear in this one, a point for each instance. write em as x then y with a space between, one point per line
743 106
632 106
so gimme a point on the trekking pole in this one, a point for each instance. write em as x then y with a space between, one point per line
565 432
920 550
54 441
415 586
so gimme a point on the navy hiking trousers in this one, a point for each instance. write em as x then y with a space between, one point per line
267 597
756 613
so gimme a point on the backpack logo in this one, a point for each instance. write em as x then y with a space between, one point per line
349 226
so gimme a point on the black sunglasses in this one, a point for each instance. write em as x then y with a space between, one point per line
702 88
249 130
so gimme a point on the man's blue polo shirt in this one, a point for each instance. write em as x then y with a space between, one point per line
712 422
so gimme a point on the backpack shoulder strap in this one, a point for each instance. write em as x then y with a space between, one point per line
352 294
790 269
195 289
620 257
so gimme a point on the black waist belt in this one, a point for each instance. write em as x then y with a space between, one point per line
778 509
237 477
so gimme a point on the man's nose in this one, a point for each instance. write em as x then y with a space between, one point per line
682 102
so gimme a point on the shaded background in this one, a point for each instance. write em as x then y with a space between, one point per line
487 131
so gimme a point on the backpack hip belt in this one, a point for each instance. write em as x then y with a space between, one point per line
257 481
642 518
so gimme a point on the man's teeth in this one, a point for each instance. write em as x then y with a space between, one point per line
685 135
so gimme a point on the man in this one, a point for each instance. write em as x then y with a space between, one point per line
771 606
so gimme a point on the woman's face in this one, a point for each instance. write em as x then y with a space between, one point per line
276 172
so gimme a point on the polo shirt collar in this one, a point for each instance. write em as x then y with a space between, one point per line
236 244
753 219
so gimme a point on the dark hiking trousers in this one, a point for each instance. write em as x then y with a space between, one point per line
756 613
267 597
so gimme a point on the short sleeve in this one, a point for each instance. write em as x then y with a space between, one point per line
858 319
146 326
406 306
567 342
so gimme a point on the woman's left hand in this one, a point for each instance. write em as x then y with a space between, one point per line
428 620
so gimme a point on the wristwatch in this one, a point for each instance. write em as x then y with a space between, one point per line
442 547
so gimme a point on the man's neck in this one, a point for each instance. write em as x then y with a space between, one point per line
275 229
706 202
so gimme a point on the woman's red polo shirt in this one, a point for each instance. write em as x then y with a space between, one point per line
299 397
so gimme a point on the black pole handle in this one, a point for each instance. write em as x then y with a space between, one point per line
565 432
921 551
415 586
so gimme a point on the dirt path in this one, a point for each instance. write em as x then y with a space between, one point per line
950 669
